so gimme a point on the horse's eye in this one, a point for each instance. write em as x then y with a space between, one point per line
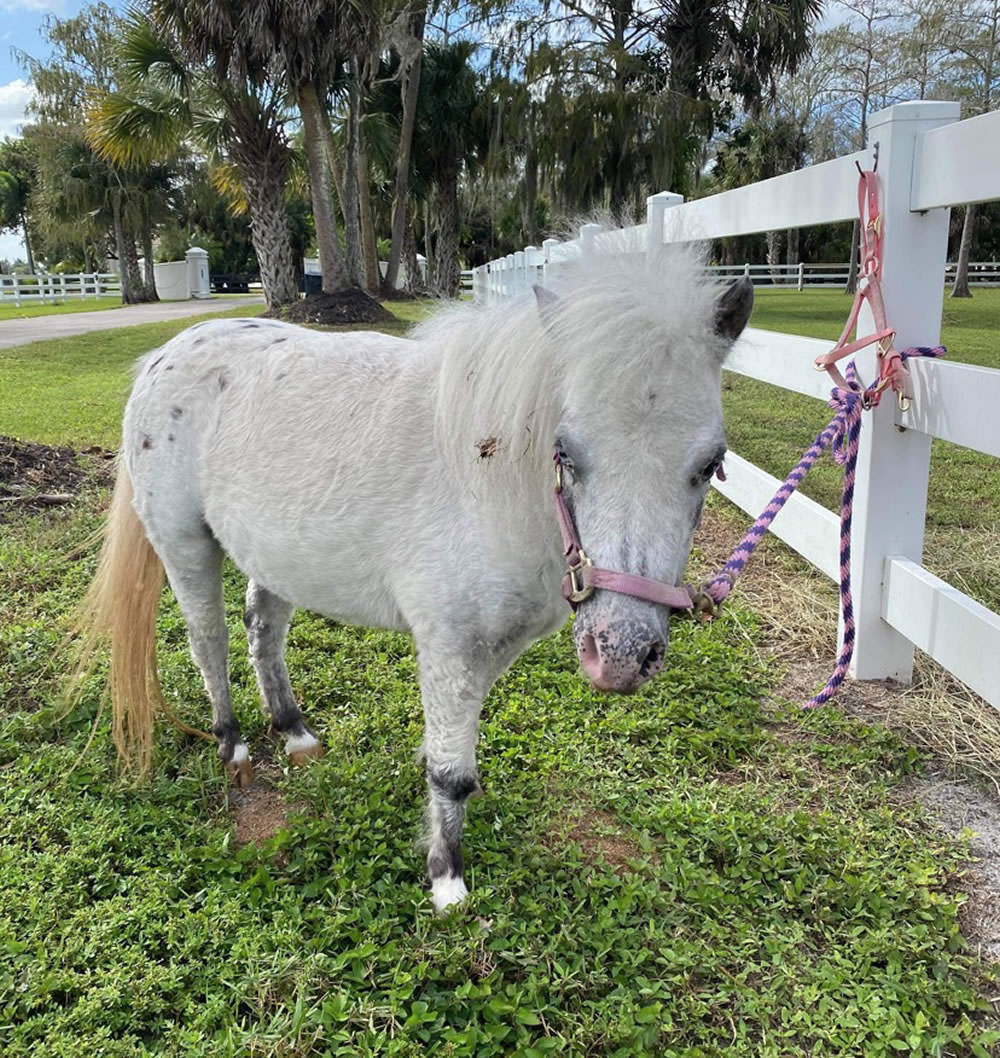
566 461
706 473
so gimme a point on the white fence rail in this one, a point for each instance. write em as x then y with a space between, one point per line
928 161
57 287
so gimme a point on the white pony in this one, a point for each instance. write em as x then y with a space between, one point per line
408 484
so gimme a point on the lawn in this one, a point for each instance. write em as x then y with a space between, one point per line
10 311
695 871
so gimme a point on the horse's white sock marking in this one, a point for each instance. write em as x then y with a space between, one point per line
445 892
240 754
301 743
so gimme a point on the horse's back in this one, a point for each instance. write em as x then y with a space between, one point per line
285 444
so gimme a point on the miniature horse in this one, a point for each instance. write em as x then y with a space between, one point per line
408 484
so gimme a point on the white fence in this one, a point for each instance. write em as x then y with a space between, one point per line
928 161
802 275
57 287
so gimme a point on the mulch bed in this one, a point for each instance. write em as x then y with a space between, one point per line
348 306
35 476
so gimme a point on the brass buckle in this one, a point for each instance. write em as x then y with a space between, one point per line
559 477
704 607
578 590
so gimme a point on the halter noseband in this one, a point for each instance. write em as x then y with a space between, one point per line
583 578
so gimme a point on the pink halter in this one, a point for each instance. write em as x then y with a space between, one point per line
583 578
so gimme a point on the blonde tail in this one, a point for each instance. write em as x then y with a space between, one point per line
120 609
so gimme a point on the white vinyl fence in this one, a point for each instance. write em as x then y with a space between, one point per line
802 275
57 287
928 161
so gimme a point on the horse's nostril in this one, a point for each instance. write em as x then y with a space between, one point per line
652 660
589 654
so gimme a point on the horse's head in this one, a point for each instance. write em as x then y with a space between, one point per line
640 437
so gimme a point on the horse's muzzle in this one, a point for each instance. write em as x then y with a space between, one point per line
620 659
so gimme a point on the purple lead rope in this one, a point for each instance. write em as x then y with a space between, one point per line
841 435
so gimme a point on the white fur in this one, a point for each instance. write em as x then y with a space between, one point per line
446 892
352 473
240 754
300 743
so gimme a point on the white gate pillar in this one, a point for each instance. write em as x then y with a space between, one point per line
890 498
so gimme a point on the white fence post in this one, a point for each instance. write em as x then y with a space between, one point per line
890 497
656 206
802 276
588 237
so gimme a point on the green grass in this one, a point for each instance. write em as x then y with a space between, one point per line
10 311
772 427
674 873
680 873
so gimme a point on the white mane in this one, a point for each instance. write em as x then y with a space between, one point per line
503 372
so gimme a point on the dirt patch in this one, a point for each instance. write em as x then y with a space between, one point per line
34 476
347 306
602 839
259 811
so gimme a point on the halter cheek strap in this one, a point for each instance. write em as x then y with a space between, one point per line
583 578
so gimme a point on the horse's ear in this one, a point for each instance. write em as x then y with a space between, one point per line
548 303
733 307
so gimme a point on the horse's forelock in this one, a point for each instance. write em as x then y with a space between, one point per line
503 368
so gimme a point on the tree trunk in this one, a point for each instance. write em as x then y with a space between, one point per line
851 286
368 244
960 288
27 245
774 255
415 282
410 51
119 232
447 277
331 263
136 285
149 276
352 209
793 246
261 156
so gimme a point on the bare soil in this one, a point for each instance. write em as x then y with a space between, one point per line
347 306
259 811
34 476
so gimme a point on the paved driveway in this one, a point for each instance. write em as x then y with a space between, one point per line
64 325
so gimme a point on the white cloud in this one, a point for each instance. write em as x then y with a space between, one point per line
14 99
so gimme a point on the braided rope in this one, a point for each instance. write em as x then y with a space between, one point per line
842 436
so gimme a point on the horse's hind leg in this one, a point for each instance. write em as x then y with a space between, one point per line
195 574
267 618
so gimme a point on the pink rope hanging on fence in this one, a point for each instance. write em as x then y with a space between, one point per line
842 434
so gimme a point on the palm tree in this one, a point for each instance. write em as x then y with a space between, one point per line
182 79
451 133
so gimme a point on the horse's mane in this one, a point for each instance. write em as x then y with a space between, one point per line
503 370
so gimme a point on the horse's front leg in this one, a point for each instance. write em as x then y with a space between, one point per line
453 688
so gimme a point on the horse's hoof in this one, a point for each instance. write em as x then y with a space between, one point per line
447 893
240 773
300 757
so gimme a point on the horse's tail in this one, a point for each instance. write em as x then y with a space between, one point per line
120 609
